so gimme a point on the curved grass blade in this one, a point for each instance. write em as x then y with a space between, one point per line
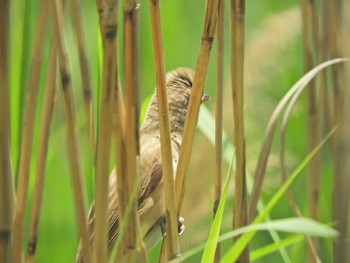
303 226
242 242
206 124
209 252
266 250
265 150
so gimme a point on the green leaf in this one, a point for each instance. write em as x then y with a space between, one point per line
303 226
242 242
266 250
209 252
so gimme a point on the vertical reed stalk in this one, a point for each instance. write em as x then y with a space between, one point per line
105 132
6 185
210 19
131 122
335 47
218 114
314 134
27 133
163 114
72 136
341 252
48 105
119 151
240 212
101 5
85 73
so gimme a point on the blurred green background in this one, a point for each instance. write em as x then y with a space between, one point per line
273 64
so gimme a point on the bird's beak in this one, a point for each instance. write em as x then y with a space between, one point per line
205 97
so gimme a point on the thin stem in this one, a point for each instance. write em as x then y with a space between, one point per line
85 72
6 187
195 99
131 123
218 114
105 132
27 134
49 102
163 114
72 136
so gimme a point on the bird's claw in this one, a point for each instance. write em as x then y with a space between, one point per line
180 226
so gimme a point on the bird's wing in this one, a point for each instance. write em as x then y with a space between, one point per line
149 191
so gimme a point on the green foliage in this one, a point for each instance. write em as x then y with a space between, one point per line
57 241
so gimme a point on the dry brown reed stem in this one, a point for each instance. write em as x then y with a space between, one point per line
131 123
240 217
27 133
338 75
6 185
172 241
219 113
315 120
105 132
101 5
314 135
341 251
71 133
84 72
208 34
48 105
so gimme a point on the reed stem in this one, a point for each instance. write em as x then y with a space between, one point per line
219 114
131 123
72 136
6 187
240 212
27 133
208 34
85 73
48 105
163 114
105 132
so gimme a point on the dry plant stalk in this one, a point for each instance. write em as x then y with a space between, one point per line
211 11
85 73
101 5
6 186
342 186
72 137
314 135
237 10
133 243
48 105
338 75
314 122
105 132
171 240
27 134
218 114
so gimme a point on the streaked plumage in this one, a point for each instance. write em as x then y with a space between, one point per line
151 206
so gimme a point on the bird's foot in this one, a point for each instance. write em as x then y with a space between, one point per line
180 226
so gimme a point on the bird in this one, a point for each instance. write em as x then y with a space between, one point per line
150 193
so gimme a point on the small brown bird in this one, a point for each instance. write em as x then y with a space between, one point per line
151 204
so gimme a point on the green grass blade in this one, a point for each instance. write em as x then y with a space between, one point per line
304 226
266 250
206 124
242 242
209 252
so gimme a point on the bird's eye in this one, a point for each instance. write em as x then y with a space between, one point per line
185 81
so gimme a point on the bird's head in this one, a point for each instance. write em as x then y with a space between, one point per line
179 85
